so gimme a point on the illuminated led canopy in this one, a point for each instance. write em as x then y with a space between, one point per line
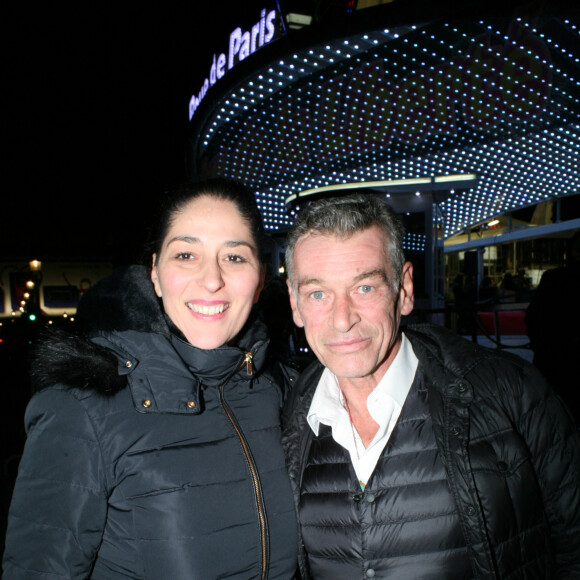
495 97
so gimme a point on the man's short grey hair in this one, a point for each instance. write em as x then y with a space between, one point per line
344 216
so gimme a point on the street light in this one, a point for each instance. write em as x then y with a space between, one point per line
33 285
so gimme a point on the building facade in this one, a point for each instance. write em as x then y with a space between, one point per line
466 117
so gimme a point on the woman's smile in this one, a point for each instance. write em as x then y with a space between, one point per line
208 309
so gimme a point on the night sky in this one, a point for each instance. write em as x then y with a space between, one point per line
95 117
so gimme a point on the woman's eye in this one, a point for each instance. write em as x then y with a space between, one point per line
235 258
184 256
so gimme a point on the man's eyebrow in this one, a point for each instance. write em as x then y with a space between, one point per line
378 272
308 282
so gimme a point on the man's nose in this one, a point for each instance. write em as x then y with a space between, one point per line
210 276
344 314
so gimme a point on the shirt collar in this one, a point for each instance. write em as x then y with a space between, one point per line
327 406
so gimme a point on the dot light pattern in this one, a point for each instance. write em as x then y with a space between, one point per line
496 97
414 242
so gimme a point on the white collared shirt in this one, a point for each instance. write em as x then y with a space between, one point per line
384 404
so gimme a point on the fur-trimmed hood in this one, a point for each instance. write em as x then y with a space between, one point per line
125 300
122 324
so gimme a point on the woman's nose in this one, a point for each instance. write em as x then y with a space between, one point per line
210 276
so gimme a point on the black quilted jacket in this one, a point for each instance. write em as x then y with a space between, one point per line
148 458
511 454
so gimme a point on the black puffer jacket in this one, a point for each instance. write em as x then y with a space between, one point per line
511 454
149 458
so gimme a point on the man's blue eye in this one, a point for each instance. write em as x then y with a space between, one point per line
317 295
365 289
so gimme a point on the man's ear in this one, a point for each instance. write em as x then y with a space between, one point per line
406 293
155 277
295 314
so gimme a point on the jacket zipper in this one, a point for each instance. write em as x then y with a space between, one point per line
248 362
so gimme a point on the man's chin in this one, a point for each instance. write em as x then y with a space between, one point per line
349 369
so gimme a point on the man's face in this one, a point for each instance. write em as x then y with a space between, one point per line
343 297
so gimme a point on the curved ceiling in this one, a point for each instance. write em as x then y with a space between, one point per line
497 96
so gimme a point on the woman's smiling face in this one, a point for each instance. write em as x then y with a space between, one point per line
208 273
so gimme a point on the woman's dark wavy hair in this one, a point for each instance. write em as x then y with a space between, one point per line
177 198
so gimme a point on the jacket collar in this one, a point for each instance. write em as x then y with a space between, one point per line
214 366
166 374
449 356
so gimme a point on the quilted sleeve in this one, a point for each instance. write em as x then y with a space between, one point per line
59 504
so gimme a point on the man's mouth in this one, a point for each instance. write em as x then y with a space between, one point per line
208 309
348 344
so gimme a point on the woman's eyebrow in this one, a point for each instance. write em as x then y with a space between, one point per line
227 244
195 240
236 243
187 239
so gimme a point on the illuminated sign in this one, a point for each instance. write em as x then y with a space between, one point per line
242 44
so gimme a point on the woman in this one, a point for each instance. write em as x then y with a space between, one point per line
155 451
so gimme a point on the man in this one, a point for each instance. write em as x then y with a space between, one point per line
415 454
